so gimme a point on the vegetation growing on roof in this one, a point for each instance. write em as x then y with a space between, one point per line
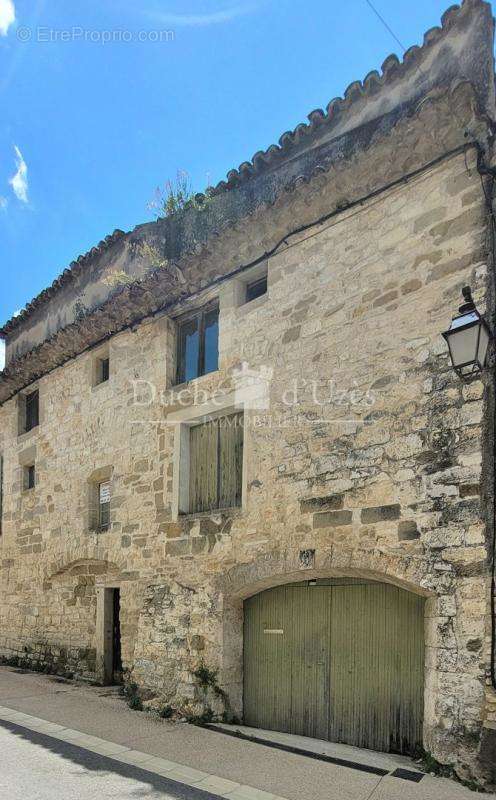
154 260
117 278
177 194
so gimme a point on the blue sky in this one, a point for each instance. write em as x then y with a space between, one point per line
89 127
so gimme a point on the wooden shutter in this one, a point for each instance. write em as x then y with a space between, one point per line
203 467
216 462
230 460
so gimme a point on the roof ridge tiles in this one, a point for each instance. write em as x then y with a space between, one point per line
391 66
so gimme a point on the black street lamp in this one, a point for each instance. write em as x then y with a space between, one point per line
468 338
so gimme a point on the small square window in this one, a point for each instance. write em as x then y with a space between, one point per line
100 366
29 476
256 289
104 369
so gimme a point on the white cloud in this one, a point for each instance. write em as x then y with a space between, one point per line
201 20
19 181
2 354
3 203
7 16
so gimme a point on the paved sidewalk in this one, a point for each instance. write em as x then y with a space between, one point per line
96 720
38 767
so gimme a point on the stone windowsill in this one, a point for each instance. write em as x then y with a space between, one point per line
180 387
25 436
97 386
258 302
235 511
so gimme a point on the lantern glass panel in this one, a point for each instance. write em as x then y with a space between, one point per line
463 345
483 343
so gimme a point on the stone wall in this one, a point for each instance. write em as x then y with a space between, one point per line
367 461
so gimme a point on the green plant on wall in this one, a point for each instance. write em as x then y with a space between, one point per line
80 310
156 261
153 259
117 278
431 765
207 680
130 691
151 254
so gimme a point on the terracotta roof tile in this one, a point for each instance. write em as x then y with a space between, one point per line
67 275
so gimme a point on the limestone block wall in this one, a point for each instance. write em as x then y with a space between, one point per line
367 460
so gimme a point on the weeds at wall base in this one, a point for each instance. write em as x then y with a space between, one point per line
434 767
35 666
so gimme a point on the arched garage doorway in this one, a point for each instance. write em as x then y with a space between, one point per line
338 659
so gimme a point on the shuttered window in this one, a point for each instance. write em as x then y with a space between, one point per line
104 505
216 463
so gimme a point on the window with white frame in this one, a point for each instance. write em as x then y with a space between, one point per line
104 505
99 499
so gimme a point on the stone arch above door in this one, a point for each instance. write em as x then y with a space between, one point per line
445 618
90 554
274 568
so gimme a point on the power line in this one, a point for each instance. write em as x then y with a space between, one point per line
390 30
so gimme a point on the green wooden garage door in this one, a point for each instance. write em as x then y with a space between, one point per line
341 659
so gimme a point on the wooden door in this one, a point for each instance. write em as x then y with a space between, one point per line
339 659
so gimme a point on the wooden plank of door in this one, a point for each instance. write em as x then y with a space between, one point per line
309 662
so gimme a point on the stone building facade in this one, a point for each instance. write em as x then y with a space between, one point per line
364 456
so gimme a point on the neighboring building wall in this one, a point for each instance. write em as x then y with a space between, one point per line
383 481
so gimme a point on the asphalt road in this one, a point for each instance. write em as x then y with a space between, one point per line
36 767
